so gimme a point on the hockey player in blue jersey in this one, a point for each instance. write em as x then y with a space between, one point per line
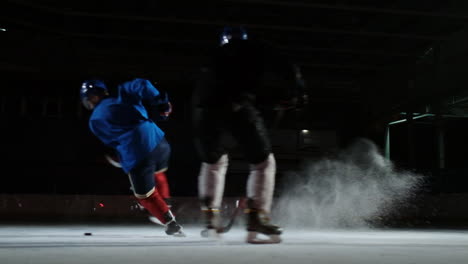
124 123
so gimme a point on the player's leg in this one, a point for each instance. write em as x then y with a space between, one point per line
143 184
211 177
162 185
162 165
249 130
211 181
160 178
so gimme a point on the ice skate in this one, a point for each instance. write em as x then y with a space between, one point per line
151 218
212 223
258 224
172 227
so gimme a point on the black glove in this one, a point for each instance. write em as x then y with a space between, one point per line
159 108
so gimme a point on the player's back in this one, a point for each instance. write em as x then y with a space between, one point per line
243 70
239 66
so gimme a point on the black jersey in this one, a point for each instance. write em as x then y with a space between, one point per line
246 70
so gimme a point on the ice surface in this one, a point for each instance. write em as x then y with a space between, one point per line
142 244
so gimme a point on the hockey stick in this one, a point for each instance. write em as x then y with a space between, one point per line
233 217
113 162
237 211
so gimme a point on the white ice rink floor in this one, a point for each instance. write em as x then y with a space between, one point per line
141 244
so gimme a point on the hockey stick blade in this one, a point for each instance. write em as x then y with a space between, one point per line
232 220
113 162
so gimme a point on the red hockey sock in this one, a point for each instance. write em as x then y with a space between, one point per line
155 205
162 185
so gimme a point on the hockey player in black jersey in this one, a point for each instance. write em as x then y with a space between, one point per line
242 77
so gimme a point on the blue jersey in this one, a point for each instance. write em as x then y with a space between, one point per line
122 123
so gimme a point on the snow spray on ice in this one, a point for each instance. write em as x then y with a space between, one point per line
347 191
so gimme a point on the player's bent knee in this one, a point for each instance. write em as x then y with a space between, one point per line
213 171
214 158
267 165
160 171
221 161
146 195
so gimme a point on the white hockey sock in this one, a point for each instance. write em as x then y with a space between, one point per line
211 181
261 183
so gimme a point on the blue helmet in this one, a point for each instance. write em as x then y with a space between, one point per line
92 87
230 33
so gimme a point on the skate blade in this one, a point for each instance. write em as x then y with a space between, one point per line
210 233
179 234
252 238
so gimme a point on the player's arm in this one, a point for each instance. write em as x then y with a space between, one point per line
295 94
137 90
142 91
160 107
300 94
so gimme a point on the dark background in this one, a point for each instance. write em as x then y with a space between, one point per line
366 64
